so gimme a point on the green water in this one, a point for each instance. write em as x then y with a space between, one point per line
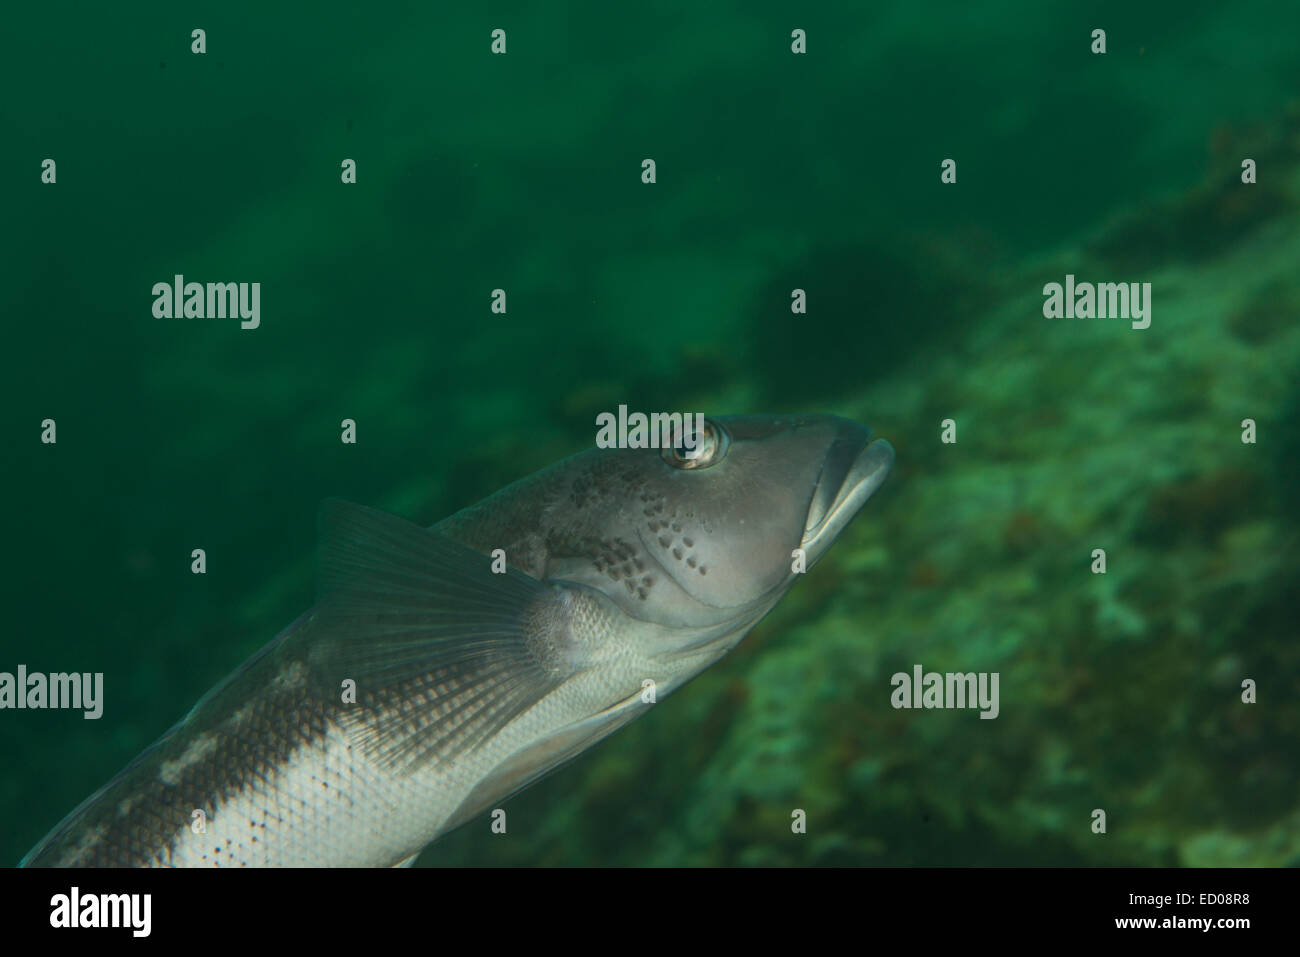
774 171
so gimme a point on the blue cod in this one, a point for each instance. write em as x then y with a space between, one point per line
427 685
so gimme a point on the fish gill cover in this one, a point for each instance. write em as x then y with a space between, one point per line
459 248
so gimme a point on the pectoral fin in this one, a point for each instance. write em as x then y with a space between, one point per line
443 651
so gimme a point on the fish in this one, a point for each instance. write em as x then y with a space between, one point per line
443 669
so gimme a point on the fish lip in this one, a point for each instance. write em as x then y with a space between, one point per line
854 468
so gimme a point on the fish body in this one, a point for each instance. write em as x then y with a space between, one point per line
443 669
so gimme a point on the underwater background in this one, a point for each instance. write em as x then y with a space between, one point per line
775 171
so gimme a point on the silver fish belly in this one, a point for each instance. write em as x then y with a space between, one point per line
443 669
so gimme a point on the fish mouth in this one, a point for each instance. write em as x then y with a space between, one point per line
855 466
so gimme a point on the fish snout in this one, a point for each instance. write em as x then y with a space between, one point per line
854 467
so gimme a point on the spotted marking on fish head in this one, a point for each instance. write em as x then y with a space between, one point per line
621 561
675 531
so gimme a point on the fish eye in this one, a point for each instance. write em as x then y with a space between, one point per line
710 447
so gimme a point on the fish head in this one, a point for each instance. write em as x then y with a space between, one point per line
703 542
